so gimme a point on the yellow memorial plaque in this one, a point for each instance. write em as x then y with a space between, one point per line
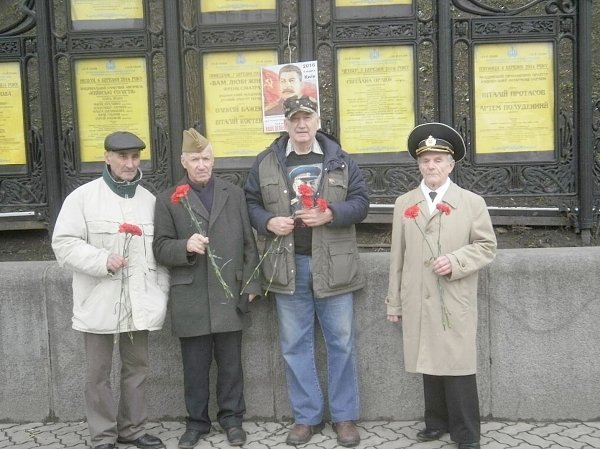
112 95
233 101
514 97
12 125
354 3
107 14
207 6
376 98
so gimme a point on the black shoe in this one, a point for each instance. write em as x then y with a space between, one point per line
144 442
190 438
105 446
468 445
430 434
236 435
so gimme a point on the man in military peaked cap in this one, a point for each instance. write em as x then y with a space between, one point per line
437 138
450 229
207 322
89 239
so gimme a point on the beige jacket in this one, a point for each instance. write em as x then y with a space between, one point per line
467 237
86 232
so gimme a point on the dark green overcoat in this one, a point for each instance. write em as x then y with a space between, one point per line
198 303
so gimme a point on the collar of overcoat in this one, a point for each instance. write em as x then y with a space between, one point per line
220 197
451 198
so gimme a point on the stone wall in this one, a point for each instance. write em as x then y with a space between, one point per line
539 345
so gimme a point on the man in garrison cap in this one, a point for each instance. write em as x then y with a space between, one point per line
108 306
208 322
309 279
442 236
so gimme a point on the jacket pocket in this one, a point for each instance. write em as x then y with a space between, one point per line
343 263
104 234
336 187
275 269
270 190
159 275
181 276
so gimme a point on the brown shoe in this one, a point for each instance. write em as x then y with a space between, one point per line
347 434
302 433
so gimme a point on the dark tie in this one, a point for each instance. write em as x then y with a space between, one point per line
432 195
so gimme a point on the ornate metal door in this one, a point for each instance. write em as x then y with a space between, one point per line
486 67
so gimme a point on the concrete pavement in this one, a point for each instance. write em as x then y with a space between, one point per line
271 435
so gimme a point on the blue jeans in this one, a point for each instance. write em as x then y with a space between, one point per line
296 313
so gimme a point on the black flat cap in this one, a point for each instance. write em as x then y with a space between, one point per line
437 137
123 140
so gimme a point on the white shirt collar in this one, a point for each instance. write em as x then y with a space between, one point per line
441 191
315 148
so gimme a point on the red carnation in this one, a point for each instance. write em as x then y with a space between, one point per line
180 193
307 202
132 229
322 204
443 208
412 212
305 190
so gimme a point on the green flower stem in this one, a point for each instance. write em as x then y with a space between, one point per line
261 260
446 324
124 294
211 256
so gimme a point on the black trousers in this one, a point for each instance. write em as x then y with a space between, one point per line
452 404
197 354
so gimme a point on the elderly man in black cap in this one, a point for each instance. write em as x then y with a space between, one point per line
442 236
312 264
103 233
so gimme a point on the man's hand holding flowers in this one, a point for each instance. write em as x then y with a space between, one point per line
115 262
197 243
442 266
314 216
281 225
314 212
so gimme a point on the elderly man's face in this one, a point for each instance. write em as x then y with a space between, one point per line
435 168
302 127
289 85
123 164
199 166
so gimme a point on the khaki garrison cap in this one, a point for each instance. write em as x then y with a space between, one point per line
193 141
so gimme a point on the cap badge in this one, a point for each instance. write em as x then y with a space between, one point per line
431 141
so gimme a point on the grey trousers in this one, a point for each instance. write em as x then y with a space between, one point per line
105 421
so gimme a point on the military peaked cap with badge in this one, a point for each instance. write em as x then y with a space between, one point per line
436 137
193 141
123 140
309 171
296 104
